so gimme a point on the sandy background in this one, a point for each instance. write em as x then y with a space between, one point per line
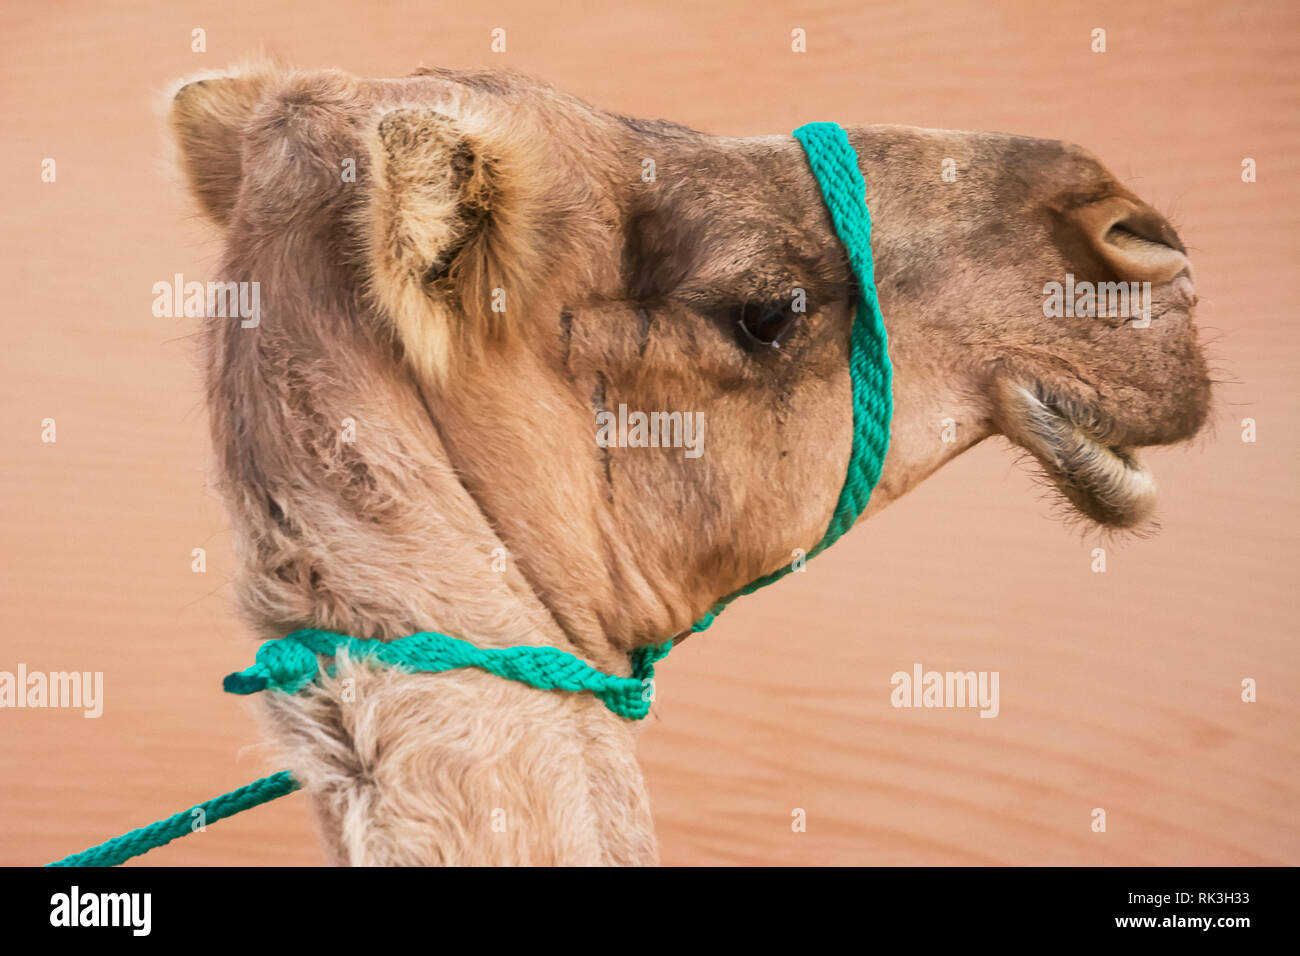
1118 690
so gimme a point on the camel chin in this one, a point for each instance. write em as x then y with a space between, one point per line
1102 481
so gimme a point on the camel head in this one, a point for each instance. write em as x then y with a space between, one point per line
532 278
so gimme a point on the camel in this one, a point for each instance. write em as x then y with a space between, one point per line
460 271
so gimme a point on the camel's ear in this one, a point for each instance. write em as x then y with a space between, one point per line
448 234
208 118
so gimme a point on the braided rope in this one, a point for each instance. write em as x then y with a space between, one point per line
122 848
292 662
834 163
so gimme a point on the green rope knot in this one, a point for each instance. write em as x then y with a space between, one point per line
286 665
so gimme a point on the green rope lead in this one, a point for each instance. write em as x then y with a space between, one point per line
292 662
122 848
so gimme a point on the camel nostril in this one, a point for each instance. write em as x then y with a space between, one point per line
1136 257
1143 222
1134 240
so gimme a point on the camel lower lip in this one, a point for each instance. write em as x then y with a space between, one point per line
1102 481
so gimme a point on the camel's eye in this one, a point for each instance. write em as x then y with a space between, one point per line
766 323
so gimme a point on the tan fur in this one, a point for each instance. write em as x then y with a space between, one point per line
475 429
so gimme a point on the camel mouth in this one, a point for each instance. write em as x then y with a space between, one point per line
1102 480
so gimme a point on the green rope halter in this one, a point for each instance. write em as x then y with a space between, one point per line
835 164
291 663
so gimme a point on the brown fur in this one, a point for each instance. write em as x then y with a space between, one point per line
474 428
